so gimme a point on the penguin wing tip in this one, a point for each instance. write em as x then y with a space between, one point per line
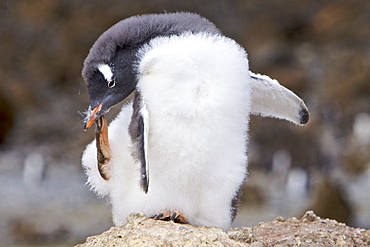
304 116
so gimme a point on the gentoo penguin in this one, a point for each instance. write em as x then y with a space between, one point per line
177 150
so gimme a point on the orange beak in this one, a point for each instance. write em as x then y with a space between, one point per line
92 117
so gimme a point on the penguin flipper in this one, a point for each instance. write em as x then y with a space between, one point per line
270 99
139 132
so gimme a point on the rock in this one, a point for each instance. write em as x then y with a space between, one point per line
141 231
310 230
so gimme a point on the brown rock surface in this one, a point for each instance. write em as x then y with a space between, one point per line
311 230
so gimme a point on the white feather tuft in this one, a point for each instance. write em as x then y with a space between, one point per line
106 72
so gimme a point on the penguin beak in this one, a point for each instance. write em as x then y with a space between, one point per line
92 116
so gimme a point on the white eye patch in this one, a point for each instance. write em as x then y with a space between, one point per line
106 72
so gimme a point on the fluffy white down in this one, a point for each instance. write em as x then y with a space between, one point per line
197 92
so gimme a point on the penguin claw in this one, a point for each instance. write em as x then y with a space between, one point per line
178 217
103 148
174 216
162 216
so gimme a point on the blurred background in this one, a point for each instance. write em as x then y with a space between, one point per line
318 49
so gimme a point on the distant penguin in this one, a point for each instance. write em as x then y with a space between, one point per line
177 150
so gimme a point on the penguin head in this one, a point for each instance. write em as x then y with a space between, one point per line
110 83
109 69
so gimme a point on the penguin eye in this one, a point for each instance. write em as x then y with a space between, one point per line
112 83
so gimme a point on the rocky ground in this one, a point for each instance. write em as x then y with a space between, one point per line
310 230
